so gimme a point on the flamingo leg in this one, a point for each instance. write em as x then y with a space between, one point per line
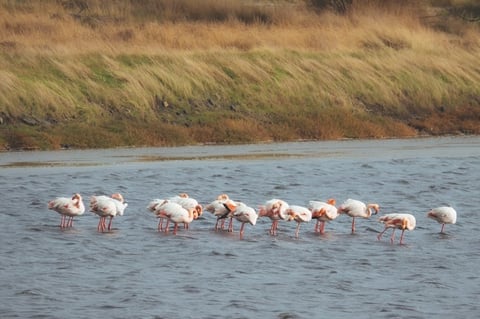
110 223
104 225
222 224
62 221
297 230
401 237
230 225
241 230
392 239
380 235
322 227
273 229
70 222
443 226
100 224
216 224
160 224
166 226
175 229
317 226
353 225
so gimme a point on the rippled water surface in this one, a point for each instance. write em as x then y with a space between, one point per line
136 272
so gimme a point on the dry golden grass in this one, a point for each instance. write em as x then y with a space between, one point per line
176 72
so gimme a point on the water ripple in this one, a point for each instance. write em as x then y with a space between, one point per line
135 271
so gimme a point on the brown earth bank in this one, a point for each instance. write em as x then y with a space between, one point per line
32 134
94 74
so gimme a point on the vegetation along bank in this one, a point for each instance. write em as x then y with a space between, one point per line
92 73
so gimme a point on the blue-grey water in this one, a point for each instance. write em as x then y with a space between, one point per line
136 272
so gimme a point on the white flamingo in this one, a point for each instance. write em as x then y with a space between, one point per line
68 208
299 214
223 207
443 215
355 208
176 214
188 203
400 221
152 206
323 212
105 206
275 209
245 214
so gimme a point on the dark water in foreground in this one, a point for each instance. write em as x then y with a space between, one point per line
136 272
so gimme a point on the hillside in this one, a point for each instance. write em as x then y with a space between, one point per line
92 73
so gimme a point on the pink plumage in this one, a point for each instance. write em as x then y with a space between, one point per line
299 214
222 208
105 206
355 208
176 214
68 208
323 212
275 209
397 221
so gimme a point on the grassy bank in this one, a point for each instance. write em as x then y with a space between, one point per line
88 74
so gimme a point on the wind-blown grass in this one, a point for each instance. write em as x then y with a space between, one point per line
116 75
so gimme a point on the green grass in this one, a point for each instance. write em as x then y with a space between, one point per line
311 97
131 80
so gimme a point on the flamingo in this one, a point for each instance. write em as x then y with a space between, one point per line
175 213
66 206
355 208
245 214
275 209
323 212
443 215
188 203
183 199
105 206
152 206
400 221
222 208
300 214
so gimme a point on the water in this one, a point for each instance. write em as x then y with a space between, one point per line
136 272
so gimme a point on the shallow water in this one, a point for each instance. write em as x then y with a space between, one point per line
136 272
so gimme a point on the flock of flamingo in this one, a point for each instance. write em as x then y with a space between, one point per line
183 209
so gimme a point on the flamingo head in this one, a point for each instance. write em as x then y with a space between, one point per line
118 197
76 197
331 201
222 197
183 195
291 215
195 213
199 210
231 206
376 208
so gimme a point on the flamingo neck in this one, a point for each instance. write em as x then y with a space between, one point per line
370 208
76 202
